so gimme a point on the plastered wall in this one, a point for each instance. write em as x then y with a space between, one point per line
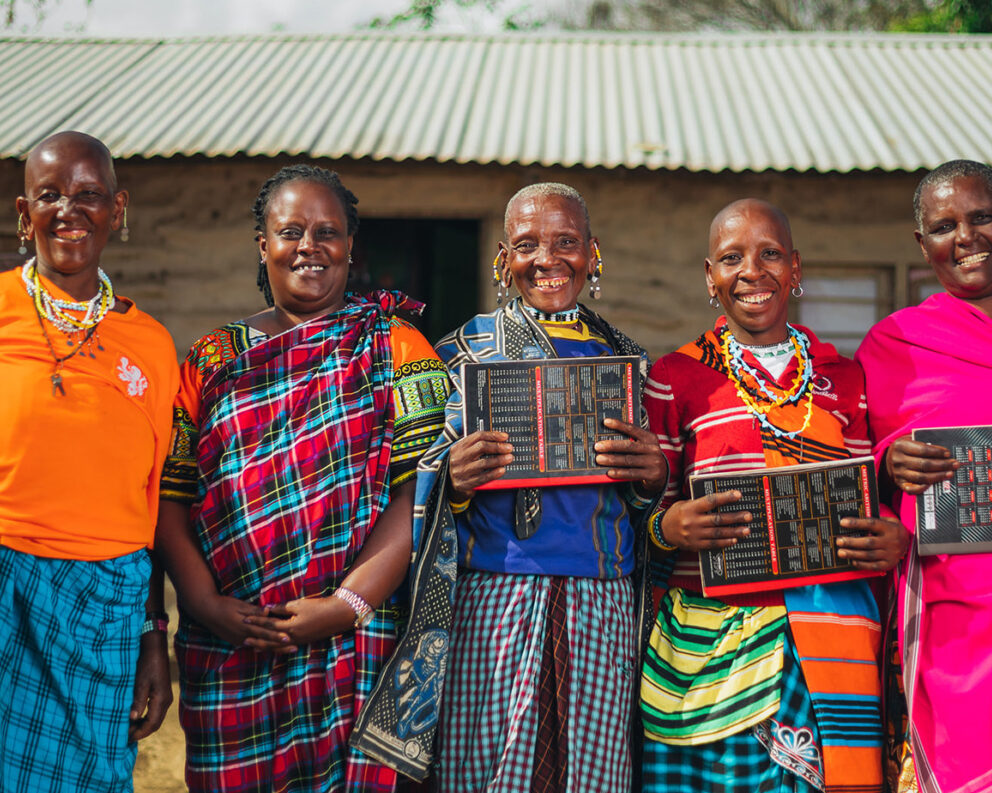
191 259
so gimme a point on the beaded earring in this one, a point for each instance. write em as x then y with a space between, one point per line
595 290
125 233
714 301
22 236
502 290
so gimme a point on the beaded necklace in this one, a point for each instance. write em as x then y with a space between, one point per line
572 315
54 309
760 396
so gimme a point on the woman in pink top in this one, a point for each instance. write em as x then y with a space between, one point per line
931 366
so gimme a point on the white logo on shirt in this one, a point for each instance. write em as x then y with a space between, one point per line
131 374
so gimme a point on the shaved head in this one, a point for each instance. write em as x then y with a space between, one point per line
70 145
741 211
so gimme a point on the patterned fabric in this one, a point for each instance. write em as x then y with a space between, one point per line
585 530
179 478
295 461
420 387
931 366
68 652
739 763
706 428
420 384
716 680
554 686
838 641
413 681
490 719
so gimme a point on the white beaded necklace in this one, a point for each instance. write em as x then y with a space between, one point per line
54 309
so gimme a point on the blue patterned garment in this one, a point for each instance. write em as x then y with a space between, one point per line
69 636
406 689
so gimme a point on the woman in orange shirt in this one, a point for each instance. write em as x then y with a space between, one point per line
88 382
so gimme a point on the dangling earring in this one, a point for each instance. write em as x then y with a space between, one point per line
22 235
595 291
798 291
714 301
125 234
502 290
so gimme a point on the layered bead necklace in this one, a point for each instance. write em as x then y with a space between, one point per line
80 332
760 395
571 315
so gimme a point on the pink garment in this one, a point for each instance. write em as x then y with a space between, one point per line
931 366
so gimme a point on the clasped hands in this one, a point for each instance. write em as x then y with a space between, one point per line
696 525
275 628
484 456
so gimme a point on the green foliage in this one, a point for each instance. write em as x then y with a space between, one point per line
423 15
949 16
954 16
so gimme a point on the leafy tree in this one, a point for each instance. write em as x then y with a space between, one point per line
680 15
759 15
949 16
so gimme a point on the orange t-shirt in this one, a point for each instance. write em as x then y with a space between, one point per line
79 473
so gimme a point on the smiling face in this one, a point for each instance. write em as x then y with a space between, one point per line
956 237
305 248
70 205
751 268
548 251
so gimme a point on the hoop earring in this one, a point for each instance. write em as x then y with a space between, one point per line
714 301
798 291
502 290
595 290
125 233
22 235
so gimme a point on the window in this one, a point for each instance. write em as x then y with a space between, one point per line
841 302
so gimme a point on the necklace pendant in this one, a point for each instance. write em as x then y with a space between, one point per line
57 384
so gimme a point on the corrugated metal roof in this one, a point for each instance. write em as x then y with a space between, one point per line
830 102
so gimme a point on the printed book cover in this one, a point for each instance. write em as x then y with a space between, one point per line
553 411
955 516
796 513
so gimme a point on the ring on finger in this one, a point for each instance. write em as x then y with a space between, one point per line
716 519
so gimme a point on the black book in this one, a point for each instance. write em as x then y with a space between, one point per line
553 411
953 517
796 512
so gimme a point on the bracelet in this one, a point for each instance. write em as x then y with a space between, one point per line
155 621
458 507
636 499
657 535
363 611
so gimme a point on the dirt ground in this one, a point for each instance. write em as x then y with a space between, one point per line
161 756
